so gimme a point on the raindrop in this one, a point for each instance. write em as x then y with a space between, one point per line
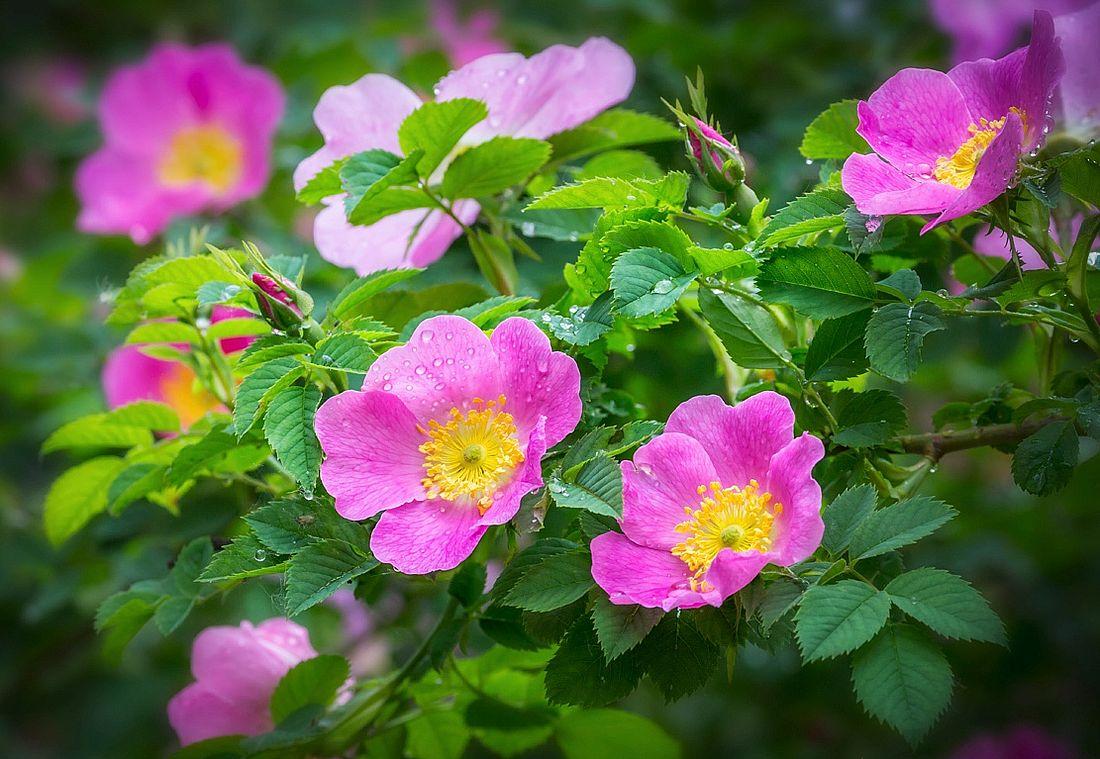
388 386
809 162
202 322
426 336
437 362
527 228
420 370
260 555
521 79
728 246
663 286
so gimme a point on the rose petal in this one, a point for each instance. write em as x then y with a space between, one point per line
798 528
426 536
633 574
199 712
879 189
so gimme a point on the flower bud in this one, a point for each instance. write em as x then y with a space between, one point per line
716 159
276 303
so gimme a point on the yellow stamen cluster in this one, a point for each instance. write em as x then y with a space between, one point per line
206 154
734 517
958 169
472 454
190 400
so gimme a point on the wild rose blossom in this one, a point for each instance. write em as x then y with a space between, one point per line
130 375
466 40
236 670
947 144
186 130
550 92
446 437
722 492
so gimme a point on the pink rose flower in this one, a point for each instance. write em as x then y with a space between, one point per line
186 130
466 41
236 670
555 90
1079 92
994 242
717 160
988 28
129 375
947 144
722 492
446 436
1021 742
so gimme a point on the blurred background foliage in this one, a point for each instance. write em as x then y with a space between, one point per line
770 69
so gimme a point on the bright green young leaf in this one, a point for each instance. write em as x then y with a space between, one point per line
319 570
78 495
244 557
844 514
835 619
367 175
346 352
816 211
626 164
313 681
436 128
288 427
946 603
602 733
324 184
647 281
822 283
164 332
493 167
615 128
833 134
347 303
259 386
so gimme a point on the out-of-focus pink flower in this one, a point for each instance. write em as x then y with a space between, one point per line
721 493
555 90
236 670
947 144
356 618
57 88
1079 92
129 375
994 242
466 40
186 130
446 437
1022 742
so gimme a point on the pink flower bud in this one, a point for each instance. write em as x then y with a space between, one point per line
277 305
716 159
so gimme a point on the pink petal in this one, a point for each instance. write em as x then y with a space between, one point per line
231 344
633 574
199 712
447 363
994 242
879 189
357 117
537 381
286 639
129 375
143 105
732 570
981 28
426 536
798 528
233 663
659 484
528 478
550 92
372 458
993 175
740 439
915 117
1080 88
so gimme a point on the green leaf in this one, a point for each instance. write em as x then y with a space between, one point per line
123 624
836 619
578 675
833 134
748 331
844 514
132 483
98 431
468 583
493 167
347 303
898 525
615 128
163 332
822 283
190 273
324 184
78 495
436 128
367 175
586 325
258 388
1043 462
601 733
244 557
313 681
647 281
287 526
738 264
241 326
319 570
171 613
837 352
598 488
946 603
1079 172
904 284
779 597
554 582
346 352
269 348
437 734
817 211
199 457
868 418
627 164
600 192
678 658
895 335
620 628
903 679
288 427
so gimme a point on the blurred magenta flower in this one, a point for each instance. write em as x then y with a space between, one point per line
446 436
1021 742
186 130
466 40
988 28
355 617
947 144
550 92
1079 92
129 375
994 242
721 493
236 670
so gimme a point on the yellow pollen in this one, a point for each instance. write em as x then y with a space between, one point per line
472 454
958 169
207 154
186 396
737 518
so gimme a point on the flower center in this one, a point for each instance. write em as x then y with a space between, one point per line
737 518
472 454
958 169
189 400
207 154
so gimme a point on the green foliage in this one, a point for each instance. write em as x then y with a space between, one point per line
833 133
647 281
836 351
837 619
435 129
678 659
311 682
555 581
867 419
615 128
947 604
621 628
1044 461
818 211
367 176
78 495
895 336
822 283
844 514
748 331
259 387
898 525
578 675
493 166
597 733
288 427
597 487
319 569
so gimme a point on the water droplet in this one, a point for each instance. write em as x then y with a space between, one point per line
260 555
527 228
809 162
388 386
326 359
420 370
663 286
435 91
450 335
202 322
521 79
728 246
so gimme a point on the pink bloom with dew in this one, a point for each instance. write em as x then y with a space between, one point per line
446 437
466 40
186 130
236 670
130 375
722 492
947 144
550 92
